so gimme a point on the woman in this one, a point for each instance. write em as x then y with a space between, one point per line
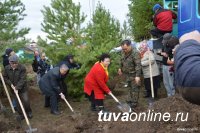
145 55
95 82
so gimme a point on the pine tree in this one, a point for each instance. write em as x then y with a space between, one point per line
140 18
11 13
62 21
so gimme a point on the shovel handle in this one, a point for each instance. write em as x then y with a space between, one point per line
114 98
20 103
151 77
68 104
7 93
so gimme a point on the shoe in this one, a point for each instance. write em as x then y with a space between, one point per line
30 115
93 109
104 111
20 118
55 112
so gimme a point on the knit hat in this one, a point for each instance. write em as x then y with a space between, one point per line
8 51
13 58
156 6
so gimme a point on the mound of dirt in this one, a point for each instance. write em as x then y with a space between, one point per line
171 105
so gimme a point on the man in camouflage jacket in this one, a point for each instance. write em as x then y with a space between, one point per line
130 66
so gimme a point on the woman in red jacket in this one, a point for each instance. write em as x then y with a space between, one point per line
95 82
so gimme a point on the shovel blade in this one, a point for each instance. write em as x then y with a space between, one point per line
31 130
124 107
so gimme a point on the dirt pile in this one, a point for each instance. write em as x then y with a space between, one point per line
172 105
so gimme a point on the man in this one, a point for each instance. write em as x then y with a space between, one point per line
35 64
43 67
15 74
131 67
187 67
169 43
49 85
162 21
69 61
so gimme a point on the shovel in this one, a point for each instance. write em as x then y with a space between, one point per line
124 107
151 100
6 90
75 114
30 130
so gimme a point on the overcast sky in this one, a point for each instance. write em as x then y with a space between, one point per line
118 8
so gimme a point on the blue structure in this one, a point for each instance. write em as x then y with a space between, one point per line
188 15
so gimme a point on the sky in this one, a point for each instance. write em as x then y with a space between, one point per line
34 18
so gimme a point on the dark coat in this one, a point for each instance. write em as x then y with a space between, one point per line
50 81
187 64
5 60
43 67
16 77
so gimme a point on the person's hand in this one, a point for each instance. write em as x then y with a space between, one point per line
109 93
137 80
14 88
120 72
62 96
164 54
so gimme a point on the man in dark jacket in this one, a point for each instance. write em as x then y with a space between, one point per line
49 85
15 74
187 67
69 61
162 21
43 66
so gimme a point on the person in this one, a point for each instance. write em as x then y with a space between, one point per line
169 43
43 66
69 61
15 74
8 53
95 83
162 21
148 57
187 68
49 85
35 64
130 66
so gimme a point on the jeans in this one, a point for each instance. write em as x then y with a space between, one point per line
168 80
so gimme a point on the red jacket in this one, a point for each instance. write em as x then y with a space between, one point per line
96 81
163 20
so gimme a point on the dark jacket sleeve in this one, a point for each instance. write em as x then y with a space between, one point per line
54 80
6 78
22 79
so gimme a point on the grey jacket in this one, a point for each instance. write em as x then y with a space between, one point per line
145 65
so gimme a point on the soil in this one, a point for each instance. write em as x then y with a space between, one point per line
86 121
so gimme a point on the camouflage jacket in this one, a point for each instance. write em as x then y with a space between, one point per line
131 63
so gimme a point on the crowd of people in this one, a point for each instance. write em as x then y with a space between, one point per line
180 70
